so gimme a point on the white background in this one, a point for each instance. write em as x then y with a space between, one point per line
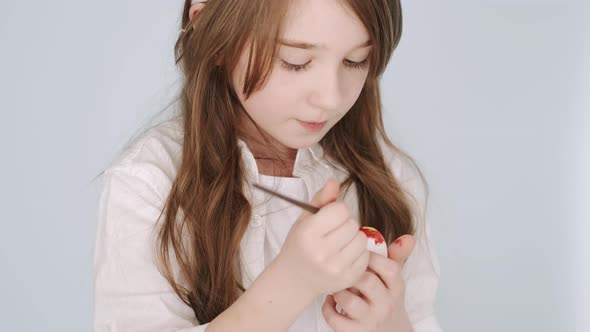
491 97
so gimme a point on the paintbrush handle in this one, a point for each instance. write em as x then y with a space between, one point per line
302 205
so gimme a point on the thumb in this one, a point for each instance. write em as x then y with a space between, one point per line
326 195
401 248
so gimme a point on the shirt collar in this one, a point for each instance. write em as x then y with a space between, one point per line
305 156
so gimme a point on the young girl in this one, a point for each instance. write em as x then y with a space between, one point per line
285 94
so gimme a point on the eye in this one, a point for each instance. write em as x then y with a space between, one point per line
350 64
357 65
292 67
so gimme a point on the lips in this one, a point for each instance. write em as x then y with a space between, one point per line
312 122
312 126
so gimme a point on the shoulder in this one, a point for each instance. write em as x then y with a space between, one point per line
407 173
401 164
422 267
153 157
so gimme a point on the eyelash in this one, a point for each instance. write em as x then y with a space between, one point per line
350 64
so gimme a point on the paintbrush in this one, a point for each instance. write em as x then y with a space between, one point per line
376 241
300 204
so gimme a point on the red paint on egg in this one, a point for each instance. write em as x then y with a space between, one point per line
372 233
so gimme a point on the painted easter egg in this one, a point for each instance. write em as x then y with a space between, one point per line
376 241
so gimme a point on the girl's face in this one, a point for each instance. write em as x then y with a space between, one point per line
318 75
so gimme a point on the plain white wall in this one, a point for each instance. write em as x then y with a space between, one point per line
491 97
581 273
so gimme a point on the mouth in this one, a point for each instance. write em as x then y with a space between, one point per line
312 126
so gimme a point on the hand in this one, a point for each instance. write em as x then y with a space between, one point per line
325 252
376 302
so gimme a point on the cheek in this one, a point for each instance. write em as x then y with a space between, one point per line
358 82
270 105
277 100
353 88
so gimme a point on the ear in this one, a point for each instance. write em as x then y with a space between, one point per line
195 9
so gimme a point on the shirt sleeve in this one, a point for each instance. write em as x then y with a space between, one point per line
421 271
130 293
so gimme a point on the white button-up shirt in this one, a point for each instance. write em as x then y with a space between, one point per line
131 294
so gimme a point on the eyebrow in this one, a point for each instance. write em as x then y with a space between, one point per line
308 46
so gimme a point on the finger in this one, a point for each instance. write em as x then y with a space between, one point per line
329 218
333 241
336 321
386 270
354 306
373 290
324 196
401 248
355 291
355 255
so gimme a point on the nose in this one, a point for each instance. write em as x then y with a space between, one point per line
327 93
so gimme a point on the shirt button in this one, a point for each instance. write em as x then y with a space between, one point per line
257 222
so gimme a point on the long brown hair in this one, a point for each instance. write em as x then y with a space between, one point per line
206 212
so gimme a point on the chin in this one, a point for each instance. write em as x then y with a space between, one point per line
303 142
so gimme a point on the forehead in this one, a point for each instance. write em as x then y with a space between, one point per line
330 24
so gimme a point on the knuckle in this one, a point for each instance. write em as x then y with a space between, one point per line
363 281
351 228
355 278
366 256
360 238
322 259
340 298
372 281
352 304
318 258
353 236
352 223
361 242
